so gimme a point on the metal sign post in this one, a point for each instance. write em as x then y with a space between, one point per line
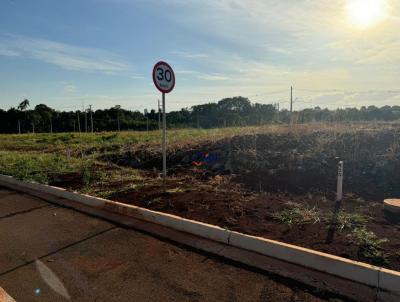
164 137
164 80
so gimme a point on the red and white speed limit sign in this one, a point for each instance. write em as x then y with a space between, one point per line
163 77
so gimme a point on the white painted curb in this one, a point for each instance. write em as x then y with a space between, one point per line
356 271
380 278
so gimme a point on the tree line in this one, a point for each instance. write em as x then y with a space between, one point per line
236 111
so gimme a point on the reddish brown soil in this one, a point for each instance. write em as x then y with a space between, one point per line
218 201
72 180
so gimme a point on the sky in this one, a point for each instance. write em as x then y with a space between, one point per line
75 53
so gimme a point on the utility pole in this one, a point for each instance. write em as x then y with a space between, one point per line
159 116
291 99
33 127
86 120
91 118
51 126
74 125
19 127
79 122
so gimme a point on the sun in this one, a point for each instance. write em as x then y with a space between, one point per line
366 13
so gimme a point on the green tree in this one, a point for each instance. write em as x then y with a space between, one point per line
45 115
22 107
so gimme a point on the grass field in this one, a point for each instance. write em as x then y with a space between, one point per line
44 157
276 181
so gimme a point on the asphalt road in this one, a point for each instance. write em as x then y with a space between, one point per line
49 253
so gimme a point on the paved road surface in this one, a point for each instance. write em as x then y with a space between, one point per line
49 253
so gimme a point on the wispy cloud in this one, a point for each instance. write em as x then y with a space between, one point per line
371 50
189 55
213 77
69 88
63 55
309 32
347 99
137 77
201 75
184 72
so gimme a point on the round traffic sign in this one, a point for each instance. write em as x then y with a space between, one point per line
163 77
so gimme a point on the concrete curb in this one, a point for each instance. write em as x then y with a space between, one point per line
382 279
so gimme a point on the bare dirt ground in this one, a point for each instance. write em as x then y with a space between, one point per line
239 209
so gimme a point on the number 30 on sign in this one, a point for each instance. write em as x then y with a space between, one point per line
163 77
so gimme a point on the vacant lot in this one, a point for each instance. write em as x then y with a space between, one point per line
277 182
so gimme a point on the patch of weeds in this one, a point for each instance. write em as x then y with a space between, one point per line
87 190
109 137
345 220
43 140
90 173
360 200
33 166
107 193
66 138
369 245
175 190
298 214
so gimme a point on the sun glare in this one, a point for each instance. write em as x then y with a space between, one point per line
366 13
